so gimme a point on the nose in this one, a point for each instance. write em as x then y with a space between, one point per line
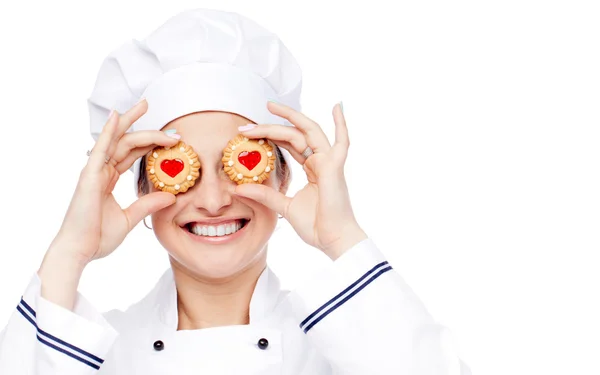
212 192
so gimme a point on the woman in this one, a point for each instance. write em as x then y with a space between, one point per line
205 77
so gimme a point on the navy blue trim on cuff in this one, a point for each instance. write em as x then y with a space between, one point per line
56 343
349 292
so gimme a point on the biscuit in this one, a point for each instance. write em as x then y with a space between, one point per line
248 160
173 169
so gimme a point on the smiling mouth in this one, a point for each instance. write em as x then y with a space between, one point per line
221 230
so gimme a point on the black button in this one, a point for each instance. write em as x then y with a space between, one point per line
263 343
159 345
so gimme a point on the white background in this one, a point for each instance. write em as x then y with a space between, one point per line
474 157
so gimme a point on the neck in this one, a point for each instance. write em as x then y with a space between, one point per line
205 303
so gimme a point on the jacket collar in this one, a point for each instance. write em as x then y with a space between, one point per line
264 298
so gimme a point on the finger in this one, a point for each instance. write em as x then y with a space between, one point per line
142 139
315 137
288 134
342 141
125 122
147 205
134 155
295 154
341 130
97 157
266 196
131 116
112 183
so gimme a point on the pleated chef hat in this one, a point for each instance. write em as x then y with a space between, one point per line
199 60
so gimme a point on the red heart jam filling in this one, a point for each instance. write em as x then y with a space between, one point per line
172 167
249 159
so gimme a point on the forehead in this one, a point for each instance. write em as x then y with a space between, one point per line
208 132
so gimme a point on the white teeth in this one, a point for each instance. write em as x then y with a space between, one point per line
216 231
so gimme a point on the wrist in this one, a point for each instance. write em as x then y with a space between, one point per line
57 263
352 236
60 274
68 250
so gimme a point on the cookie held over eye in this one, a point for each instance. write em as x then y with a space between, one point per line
248 161
173 169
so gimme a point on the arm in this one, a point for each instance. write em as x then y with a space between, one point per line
54 330
358 312
44 338
364 319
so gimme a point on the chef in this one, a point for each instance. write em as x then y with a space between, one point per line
206 77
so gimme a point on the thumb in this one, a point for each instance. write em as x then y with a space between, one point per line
266 196
147 205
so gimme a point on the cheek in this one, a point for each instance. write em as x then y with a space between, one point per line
162 219
265 222
266 219
265 216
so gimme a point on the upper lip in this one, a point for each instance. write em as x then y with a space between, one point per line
215 221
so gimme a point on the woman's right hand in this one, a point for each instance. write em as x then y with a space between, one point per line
95 225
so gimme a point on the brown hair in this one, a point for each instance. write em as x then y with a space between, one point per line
282 172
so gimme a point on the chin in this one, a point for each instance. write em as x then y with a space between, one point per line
220 267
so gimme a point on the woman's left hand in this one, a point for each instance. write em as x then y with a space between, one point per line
320 212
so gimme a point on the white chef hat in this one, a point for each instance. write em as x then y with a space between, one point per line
199 60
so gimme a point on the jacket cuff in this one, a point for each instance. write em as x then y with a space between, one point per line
331 287
67 339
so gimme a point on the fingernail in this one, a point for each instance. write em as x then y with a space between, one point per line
170 131
141 100
342 106
246 127
110 114
173 135
273 101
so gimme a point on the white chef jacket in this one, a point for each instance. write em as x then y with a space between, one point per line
355 316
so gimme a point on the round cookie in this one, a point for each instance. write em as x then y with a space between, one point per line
173 169
248 160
